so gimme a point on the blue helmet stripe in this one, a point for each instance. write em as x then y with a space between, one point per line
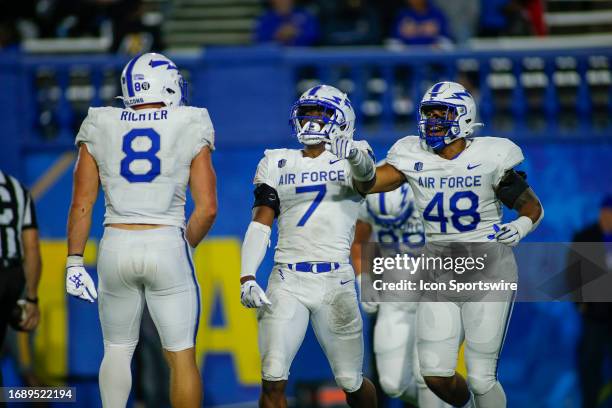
314 90
436 88
128 76
381 203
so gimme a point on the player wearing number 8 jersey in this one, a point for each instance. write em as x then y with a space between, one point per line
459 184
144 156
315 194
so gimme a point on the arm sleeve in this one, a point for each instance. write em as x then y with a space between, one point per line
362 167
29 214
203 131
254 248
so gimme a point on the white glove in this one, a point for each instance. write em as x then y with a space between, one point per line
368 307
342 147
252 295
78 281
511 233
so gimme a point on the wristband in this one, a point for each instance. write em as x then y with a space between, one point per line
523 225
74 260
246 278
30 300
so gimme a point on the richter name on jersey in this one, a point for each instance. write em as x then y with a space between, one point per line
133 116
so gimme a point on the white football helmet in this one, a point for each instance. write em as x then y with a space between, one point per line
391 209
334 115
152 78
460 118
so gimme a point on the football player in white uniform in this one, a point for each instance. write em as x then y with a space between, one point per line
315 194
459 184
144 156
391 218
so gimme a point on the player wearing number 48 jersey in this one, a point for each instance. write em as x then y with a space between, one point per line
459 184
315 194
144 156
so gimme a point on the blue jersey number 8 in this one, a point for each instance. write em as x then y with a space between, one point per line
149 155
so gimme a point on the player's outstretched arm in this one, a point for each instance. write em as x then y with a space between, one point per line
203 186
514 192
84 194
255 245
388 178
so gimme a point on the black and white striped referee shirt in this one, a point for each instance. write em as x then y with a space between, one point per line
16 214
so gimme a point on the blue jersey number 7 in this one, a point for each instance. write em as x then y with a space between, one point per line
320 189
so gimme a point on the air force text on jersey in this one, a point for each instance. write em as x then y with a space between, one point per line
312 176
450 182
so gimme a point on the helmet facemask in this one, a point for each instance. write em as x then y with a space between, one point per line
439 123
315 121
183 96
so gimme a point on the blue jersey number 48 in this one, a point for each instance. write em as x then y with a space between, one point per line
434 212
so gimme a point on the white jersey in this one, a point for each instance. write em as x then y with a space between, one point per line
456 198
393 217
318 205
144 159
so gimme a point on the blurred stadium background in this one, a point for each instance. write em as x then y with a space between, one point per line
540 71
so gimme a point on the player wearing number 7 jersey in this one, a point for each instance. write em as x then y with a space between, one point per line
144 156
315 195
459 184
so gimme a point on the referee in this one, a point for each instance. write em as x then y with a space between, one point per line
20 263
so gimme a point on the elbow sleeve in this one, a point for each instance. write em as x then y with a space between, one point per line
268 197
511 186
